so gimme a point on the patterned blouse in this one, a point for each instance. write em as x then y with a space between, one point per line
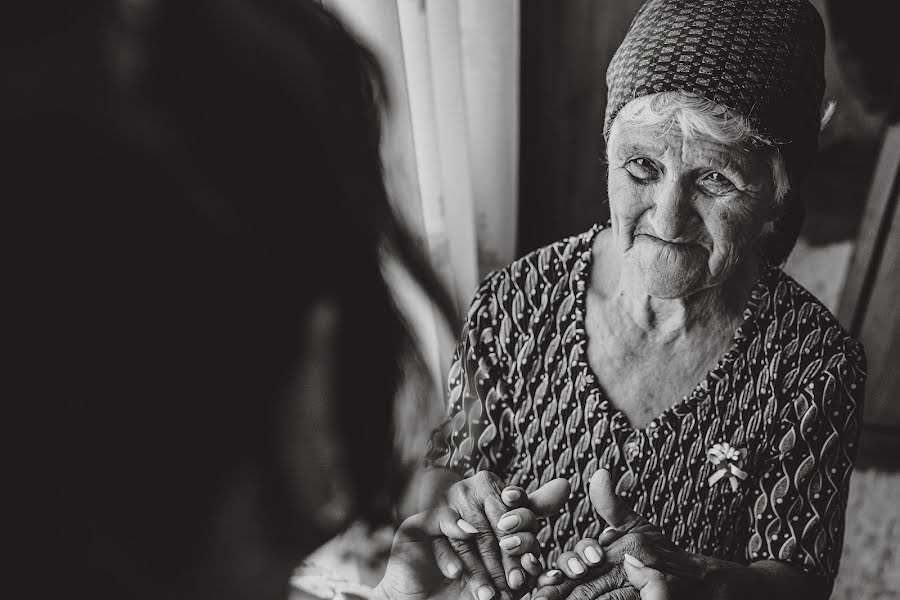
753 464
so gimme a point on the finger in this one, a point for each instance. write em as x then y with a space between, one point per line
637 573
516 578
513 496
454 527
609 535
519 543
552 577
550 497
609 506
446 559
532 564
441 521
599 582
484 547
497 563
625 593
565 589
650 582
590 552
519 519
571 564
479 580
507 547
656 590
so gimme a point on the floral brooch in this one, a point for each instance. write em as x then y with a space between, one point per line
729 460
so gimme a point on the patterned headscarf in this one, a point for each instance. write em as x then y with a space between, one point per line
764 59
761 58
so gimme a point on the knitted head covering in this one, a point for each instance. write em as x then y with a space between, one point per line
763 59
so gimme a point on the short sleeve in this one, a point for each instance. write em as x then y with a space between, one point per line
470 438
797 510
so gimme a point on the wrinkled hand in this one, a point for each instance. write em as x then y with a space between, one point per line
412 572
491 559
577 578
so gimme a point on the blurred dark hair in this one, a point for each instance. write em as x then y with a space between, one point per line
173 220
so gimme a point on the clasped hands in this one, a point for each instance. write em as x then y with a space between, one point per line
482 544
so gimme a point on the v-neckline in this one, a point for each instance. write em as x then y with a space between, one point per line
618 419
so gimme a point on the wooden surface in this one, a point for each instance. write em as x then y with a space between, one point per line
870 305
873 232
880 331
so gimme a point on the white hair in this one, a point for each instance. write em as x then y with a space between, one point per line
696 117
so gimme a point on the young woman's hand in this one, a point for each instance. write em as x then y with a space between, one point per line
413 570
649 582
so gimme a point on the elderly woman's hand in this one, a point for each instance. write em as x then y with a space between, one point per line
639 537
649 583
580 576
575 580
501 536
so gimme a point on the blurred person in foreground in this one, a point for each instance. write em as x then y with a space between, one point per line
206 344
663 363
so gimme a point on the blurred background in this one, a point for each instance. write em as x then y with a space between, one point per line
494 147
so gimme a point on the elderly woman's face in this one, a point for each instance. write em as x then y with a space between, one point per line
685 211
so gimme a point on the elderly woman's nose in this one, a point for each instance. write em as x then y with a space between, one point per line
672 211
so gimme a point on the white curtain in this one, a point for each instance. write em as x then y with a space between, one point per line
451 155
451 140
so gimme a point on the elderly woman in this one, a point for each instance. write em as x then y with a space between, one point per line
668 347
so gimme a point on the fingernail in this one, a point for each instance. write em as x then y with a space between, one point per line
516 579
575 566
633 561
510 542
608 528
553 573
591 554
529 557
511 495
485 593
466 526
508 522
452 569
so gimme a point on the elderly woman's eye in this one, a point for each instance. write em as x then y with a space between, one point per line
717 183
641 168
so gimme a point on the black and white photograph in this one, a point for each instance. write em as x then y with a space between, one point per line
452 299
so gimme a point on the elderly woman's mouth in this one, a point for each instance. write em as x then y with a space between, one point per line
669 269
676 244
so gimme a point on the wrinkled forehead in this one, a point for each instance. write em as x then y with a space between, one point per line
667 142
